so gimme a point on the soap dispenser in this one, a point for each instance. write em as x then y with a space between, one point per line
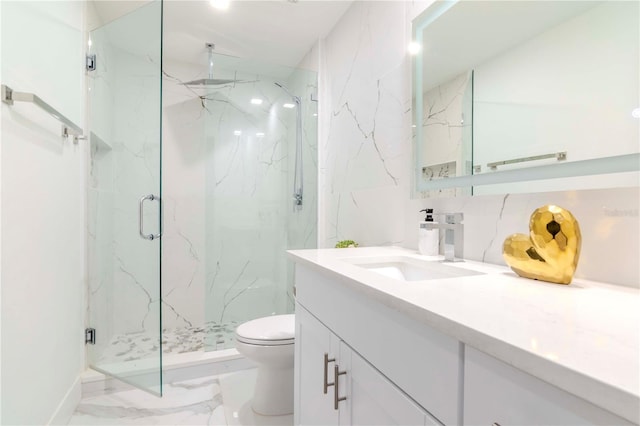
428 236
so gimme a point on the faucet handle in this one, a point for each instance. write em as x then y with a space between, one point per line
453 218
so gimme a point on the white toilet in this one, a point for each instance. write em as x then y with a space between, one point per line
269 342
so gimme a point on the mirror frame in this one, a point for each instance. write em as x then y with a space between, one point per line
597 166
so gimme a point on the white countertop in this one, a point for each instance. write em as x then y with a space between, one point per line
583 338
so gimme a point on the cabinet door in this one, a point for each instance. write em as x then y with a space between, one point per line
496 393
313 340
371 399
428 369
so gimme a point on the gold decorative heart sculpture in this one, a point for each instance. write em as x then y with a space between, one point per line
551 251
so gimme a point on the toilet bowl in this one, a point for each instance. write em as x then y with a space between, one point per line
269 342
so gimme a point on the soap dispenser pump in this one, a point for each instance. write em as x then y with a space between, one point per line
428 236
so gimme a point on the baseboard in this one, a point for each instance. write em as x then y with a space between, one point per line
67 406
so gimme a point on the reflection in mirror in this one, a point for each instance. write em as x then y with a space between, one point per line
521 91
446 127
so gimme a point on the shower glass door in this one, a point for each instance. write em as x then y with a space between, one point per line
250 174
124 210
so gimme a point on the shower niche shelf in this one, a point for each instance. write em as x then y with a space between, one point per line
101 173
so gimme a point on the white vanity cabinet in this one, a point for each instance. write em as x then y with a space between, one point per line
397 370
315 351
498 394
363 396
409 347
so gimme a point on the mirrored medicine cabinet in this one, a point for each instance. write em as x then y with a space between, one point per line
526 96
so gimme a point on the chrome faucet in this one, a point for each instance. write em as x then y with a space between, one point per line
453 235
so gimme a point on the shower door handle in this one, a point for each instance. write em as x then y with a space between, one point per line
149 237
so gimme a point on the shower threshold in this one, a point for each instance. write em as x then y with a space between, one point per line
175 367
135 357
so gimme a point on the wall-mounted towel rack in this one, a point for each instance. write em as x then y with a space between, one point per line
69 128
560 156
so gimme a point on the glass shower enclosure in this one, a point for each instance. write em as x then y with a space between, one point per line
255 209
235 164
124 226
229 167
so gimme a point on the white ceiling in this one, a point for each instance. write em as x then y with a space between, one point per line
278 32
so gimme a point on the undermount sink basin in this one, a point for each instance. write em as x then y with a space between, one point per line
404 268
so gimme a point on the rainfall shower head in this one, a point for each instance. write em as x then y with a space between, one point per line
210 81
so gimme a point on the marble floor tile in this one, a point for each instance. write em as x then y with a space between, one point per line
213 400
191 402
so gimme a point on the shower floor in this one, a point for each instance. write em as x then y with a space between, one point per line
135 346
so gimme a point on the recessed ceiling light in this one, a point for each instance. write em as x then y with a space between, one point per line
288 106
414 48
220 4
256 101
259 134
635 113
315 114
237 132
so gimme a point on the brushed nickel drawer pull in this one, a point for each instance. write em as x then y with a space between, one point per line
326 371
336 398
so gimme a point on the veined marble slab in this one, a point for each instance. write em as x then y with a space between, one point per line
212 400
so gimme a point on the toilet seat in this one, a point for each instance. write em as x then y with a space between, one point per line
264 342
275 330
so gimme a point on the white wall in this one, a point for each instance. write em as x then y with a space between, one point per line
365 186
42 180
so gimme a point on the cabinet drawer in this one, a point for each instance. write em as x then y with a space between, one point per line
495 392
423 362
373 400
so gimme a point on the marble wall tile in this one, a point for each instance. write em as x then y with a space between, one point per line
365 141
124 166
136 147
246 199
302 229
609 222
183 249
229 213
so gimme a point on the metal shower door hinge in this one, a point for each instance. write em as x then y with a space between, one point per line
90 336
91 62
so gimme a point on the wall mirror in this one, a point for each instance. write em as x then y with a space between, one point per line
526 96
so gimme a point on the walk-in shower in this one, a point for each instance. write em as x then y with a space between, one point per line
222 152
